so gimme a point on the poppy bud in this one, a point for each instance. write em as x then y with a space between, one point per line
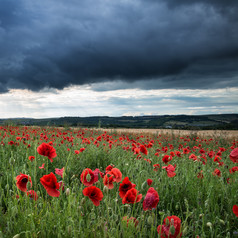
83 200
144 185
209 224
222 222
172 230
150 220
161 213
185 230
67 192
16 236
88 177
105 189
167 222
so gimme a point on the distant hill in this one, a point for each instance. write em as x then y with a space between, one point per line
214 121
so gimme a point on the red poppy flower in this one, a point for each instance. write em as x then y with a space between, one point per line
131 196
47 150
156 167
167 158
42 166
108 181
131 220
81 149
171 228
125 186
170 170
31 158
96 172
50 184
116 173
143 149
193 157
22 181
88 177
233 169
60 172
149 181
11 142
109 168
32 194
151 199
234 155
136 150
186 151
235 210
217 172
94 194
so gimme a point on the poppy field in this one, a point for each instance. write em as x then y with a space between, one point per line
59 182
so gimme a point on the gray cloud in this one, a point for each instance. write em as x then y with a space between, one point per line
155 44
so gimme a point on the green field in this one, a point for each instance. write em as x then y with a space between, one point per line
201 191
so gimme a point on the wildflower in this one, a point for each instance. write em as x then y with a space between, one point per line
171 228
132 196
47 150
42 166
50 184
217 172
234 155
149 181
235 210
167 158
170 170
87 177
22 181
233 169
60 172
108 181
116 173
125 186
31 158
94 194
32 194
156 167
151 199
143 149
109 168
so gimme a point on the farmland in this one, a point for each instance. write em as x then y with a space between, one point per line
62 182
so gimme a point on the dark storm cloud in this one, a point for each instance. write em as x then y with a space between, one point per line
156 44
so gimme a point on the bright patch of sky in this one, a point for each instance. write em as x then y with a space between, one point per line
82 101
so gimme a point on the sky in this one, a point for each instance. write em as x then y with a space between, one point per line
118 58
